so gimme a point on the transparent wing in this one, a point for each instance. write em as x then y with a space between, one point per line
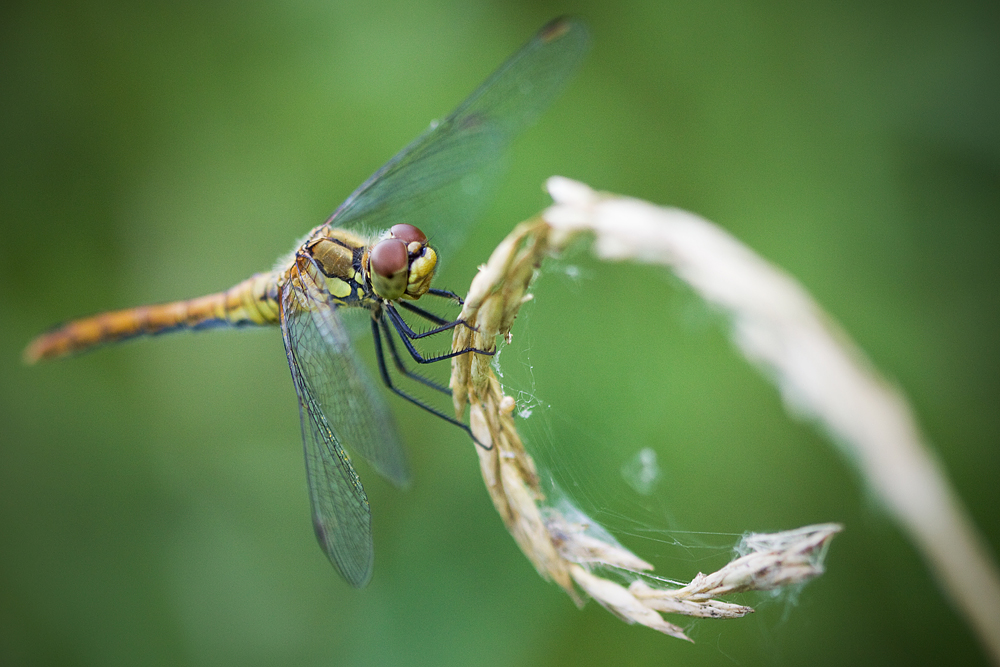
339 406
443 178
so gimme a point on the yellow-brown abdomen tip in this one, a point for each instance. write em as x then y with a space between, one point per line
37 349
29 356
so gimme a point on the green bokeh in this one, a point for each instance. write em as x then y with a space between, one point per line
153 506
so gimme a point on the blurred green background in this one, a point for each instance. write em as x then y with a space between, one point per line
153 507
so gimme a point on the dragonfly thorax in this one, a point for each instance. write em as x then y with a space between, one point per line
402 265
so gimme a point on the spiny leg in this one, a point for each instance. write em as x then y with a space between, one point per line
427 315
446 294
401 367
384 372
406 333
404 328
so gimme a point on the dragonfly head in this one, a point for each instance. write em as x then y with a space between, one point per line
402 265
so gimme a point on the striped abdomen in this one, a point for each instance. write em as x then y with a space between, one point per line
253 301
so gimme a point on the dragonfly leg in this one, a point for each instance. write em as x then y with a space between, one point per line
406 333
384 372
402 367
445 325
446 294
429 316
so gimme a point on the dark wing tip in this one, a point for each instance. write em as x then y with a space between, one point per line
559 27
356 573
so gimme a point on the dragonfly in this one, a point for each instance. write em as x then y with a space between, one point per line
426 198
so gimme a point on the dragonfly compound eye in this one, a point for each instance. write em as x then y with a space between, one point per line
389 263
408 234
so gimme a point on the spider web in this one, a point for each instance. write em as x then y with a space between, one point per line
593 472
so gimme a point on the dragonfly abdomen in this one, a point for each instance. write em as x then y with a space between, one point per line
253 301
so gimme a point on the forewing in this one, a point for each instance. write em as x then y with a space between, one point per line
340 384
442 179
316 347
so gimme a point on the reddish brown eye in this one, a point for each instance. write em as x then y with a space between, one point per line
388 257
407 234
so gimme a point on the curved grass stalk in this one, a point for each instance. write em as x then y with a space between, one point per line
564 550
